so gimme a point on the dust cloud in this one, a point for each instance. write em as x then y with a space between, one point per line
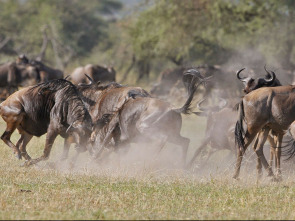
145 159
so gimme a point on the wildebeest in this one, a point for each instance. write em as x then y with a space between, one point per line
96 72
146 118
54 108
264 109
107 99
171 79
14 75
219 133
221 121
46 73
270 80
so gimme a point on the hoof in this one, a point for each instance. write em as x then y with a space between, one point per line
236 177
18 155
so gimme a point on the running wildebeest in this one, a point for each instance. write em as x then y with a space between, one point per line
147 118
54 108
107 98
219 133
46 73
221 121
96 72
170 79
263 110
100 100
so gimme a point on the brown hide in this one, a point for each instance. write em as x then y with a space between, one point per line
96 72
54 108
147 118
262 110
46 73
107 99
273 107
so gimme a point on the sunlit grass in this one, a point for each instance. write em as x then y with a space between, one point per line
41 193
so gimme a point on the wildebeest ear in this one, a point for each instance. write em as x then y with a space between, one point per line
201 114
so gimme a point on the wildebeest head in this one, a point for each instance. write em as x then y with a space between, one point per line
22 59
36 64
29 73
251 84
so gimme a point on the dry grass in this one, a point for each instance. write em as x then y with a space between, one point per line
143 189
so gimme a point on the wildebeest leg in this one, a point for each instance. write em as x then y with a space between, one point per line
278 156
10 128
272 149
259 151
67 143
26 139
116 135
111 129
50 137
250 135
197 152
259 164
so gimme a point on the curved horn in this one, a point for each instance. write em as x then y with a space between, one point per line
271 74
238 75
202 108
90 79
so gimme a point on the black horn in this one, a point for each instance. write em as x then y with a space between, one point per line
90 79
238 75
271 76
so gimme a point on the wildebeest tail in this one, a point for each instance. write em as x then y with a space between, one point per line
186 108
289 152
239 130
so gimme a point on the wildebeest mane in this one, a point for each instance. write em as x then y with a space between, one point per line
43 97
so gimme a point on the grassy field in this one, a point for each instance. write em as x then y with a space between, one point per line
140 187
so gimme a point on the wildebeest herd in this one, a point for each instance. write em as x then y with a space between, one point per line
88 108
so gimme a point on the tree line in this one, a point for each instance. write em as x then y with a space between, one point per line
154 35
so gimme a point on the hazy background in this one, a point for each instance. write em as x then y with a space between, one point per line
141 38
